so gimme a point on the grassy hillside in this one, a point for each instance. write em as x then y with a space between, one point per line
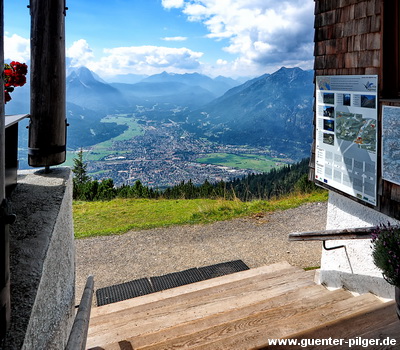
121 215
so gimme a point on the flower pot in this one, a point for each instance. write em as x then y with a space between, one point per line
397 297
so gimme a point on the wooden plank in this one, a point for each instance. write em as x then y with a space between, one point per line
191 288
255 334
365 325
385 331
224 325
172 315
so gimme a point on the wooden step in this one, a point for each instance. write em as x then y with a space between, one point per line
192 302
254 333
220 326
238 311
372 324
248 275
222 294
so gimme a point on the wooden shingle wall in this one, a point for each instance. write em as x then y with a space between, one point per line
349 39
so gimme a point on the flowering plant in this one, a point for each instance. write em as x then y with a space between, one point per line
386 252
14 75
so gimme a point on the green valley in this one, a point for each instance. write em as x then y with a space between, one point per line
259 163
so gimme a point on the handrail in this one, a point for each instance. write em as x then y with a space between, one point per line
14 119
78 336
348 233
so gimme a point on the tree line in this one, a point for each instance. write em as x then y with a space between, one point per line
274 184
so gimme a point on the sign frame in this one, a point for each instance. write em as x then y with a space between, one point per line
346 135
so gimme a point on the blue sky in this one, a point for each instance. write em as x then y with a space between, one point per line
214 37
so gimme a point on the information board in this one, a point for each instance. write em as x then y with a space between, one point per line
346 134
391 144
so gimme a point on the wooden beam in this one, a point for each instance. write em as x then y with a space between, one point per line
47 128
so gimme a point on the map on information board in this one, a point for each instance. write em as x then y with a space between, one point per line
391 144
346 134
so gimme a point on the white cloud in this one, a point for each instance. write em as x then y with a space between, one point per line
16 48
172 3
146 60
134 59
174 38
222 62
80 53
266 33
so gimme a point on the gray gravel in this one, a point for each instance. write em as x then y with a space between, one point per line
257 240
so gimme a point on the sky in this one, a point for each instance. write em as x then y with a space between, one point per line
233 38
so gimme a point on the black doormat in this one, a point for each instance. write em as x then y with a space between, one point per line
123 291
145 286
223 269
176 279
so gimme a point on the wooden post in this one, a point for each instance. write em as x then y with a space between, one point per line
47 128
5 307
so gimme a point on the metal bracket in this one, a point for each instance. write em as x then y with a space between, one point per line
65 8
64 11
332 248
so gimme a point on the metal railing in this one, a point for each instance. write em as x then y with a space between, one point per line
349 233
78 336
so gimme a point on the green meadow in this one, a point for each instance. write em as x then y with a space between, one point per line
121 215
259 163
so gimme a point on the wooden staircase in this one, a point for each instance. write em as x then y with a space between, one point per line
241 311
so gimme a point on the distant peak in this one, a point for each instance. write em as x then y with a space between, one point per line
285 69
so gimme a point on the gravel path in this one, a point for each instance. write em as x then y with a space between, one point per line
257 240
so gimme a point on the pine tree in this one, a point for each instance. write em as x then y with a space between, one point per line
79 170
81 179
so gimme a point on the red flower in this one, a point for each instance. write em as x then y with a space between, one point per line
7 96
14 75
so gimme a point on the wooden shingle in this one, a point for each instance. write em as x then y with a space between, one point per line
342 45
328 18
366 59
360 42
373 41
331 47
351 59
360 10
370 8
363 25
319 49
375 24
349 28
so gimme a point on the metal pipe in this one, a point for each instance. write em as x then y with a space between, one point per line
78 336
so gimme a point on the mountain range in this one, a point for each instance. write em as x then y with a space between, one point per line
272 111
189 90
